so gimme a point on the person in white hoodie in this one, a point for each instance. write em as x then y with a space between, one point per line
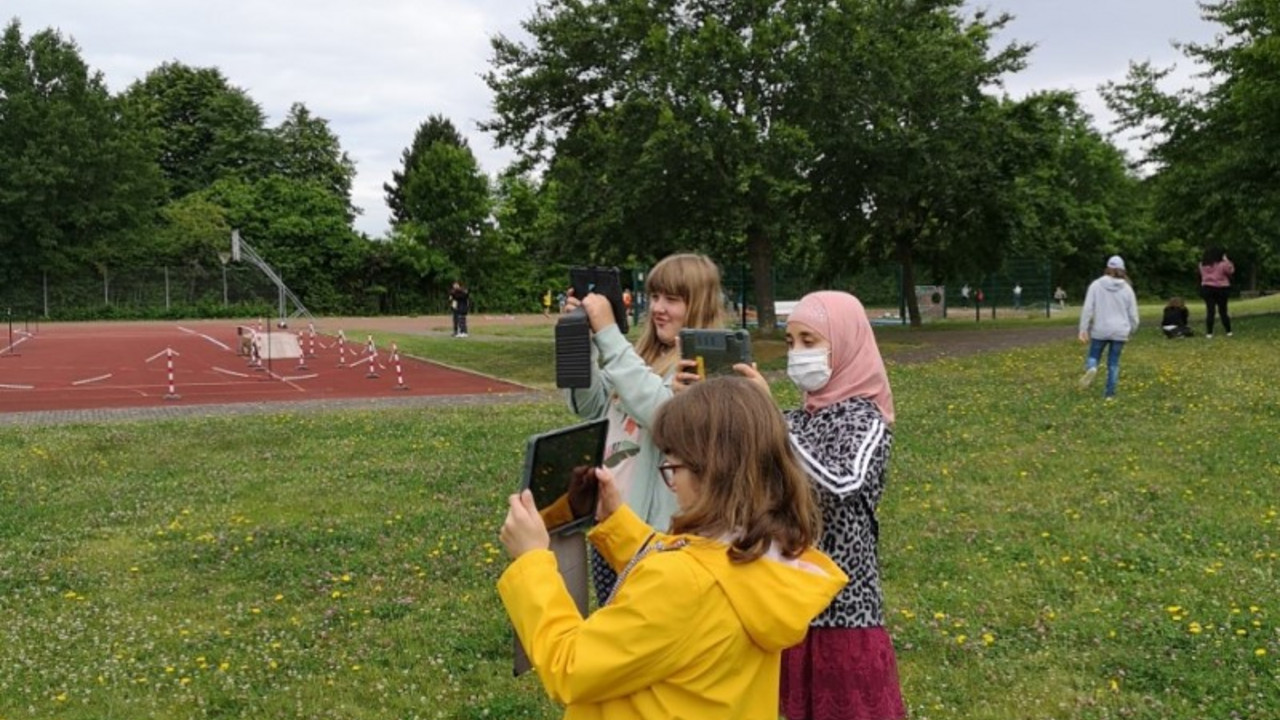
1109 317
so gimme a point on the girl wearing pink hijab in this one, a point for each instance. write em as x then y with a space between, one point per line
846 668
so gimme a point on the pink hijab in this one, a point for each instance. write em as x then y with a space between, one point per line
856 367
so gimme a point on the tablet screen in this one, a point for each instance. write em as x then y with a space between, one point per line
715 351
558 467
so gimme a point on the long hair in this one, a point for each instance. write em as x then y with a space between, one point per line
1212 255
752 490
1117 273
694 279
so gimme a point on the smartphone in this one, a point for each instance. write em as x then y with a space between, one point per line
715 351
560 465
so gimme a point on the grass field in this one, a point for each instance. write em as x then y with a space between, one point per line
1046 555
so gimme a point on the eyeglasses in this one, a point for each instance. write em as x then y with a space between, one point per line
668 472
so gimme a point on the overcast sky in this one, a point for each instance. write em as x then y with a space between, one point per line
375 69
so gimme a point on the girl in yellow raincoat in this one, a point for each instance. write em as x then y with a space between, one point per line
698 621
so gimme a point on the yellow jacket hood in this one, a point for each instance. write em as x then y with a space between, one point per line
775 598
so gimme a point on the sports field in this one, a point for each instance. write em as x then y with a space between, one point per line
61 366
1046 554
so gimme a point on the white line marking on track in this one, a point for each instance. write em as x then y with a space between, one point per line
213 340
225 371
92 379
17 387
15 344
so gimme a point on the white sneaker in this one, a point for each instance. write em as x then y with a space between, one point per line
1228 334
1087 379
1208 336
462 334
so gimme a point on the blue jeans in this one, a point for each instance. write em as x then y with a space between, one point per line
1113 361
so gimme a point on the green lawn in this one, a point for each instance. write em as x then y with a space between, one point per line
1046 555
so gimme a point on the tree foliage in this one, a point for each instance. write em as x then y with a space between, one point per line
304 148
440 199
204 128
75 179
1213 152
664 125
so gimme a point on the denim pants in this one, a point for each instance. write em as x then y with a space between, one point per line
1113 361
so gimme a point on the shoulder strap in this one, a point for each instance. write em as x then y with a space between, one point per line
645 550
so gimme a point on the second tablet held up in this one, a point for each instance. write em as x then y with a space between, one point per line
715 351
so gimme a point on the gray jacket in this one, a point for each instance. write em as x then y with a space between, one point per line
1110 310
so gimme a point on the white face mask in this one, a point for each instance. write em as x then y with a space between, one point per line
809 369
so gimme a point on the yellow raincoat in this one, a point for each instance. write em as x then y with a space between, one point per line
689 634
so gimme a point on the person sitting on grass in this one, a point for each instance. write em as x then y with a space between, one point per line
1176 322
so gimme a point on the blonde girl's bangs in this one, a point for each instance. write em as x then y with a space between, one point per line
694 279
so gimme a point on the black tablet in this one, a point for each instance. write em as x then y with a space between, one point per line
604 280
559 465
715 351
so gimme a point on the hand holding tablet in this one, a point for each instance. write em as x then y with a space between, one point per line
560 473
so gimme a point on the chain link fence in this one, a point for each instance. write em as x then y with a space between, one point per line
155 292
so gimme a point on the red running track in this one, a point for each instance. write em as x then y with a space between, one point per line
105 365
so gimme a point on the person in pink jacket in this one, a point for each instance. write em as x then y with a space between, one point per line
699 618
1215 284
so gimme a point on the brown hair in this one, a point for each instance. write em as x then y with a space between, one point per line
694 279
1176 302
752 489
1118 273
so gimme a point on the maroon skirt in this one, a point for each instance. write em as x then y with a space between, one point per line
842 674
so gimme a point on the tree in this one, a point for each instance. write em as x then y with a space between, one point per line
204 128
76 183
915 157
435 129
300 228
1215 152
440 192
663 125
1074 198
306 149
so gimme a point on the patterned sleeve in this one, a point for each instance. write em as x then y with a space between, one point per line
878 469
851 455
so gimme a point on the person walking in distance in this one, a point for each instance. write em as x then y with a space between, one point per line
1216 270
460 303
1108 318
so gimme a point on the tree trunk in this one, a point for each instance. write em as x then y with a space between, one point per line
908 288
760 254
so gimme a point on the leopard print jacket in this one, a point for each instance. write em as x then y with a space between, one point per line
845 449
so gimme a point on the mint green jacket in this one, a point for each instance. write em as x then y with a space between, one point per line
616 368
